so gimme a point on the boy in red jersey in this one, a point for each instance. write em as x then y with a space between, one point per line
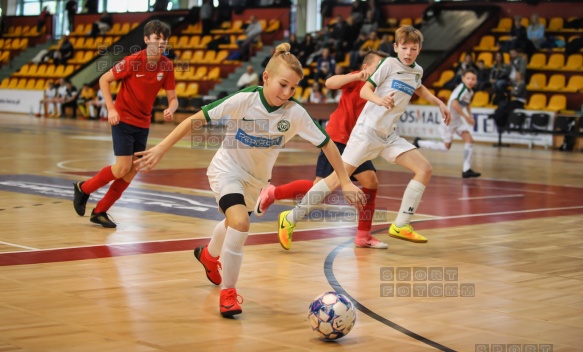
341 123
142 74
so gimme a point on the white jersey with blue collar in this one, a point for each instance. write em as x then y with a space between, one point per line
391 76
256 132
464 96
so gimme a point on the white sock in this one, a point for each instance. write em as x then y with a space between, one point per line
91 110
315 196
433 145
468 149
410 202
232 257
216 244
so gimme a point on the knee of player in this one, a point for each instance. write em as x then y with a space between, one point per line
425 170
239 222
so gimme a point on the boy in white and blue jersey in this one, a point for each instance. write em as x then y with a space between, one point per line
388 91
460 99
261 121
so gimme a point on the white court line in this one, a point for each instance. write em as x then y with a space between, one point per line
488 197
312 229
62 164
19 246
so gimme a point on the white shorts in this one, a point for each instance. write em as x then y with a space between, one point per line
227 177
366 144
447 132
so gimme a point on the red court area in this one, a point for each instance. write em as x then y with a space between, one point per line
444 197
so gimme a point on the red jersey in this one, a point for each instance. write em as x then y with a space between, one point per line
343 119
140 85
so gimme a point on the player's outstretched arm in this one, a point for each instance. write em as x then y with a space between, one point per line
354 196
423 92
105 86
339 81
150 158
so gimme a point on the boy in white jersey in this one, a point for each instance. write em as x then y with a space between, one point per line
388 91
262 120
460 98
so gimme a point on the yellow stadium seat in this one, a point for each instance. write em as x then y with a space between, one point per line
574 63
200 73
537 60
558 102
21 84
444 94
40 84
186 56
4 83
556 62
481 99
204 41
182 42
556 83
486 57
191 89
209 57
407 21
446 75
575 84
306 94
536 101
197 57
23 71
30 84
193 42
297 93
180 89
555 24
125 28
487 43
214 74
221 56
504 25
422 101
538 81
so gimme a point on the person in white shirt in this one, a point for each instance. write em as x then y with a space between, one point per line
47 103
248 79
262 120
388 91
460 99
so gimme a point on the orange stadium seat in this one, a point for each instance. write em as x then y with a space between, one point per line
191 89
446 75
556 83
214 74
444 94
487 43
537 61
556 62
504 25
555 24
536 101
574 63
200 73
487 57
481 100
538 81
558 102
575 84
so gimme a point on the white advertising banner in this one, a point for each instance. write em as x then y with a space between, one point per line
423 121
20 100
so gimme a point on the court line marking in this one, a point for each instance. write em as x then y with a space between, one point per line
313 229
495 197
19 246
329 274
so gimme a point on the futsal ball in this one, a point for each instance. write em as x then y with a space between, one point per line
331 315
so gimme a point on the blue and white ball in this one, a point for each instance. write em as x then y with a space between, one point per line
331 315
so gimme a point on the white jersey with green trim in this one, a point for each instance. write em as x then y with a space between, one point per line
464 96
256 132
391 76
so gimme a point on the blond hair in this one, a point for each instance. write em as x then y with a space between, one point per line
408 34
283 55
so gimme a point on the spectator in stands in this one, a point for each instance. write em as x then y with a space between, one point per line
517 66
249 78
223 12
499 72
386 46
64 52
253 31
71 8
91 6
160 5
272 52
483 74
86 95
369 24
461 67
47 103
98 103
296 46
41 21
536 31
326 65
355 52
206 17
574 46
518 36
69 99
308 47
316 95
518 99
358 12
101 26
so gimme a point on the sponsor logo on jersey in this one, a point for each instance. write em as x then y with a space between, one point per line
159 76
283 125
119 66
258 142
403 87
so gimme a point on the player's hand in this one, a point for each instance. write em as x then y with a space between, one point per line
148 159
363 76
388 101
113 117
354 195
168 115
445 114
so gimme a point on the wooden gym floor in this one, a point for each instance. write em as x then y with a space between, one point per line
509 245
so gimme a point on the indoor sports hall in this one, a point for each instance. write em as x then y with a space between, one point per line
502 269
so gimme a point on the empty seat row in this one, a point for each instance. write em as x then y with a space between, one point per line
556 61
555 24
44 70
14 43
213 57
23 31
117 29
556 83
490 43
24 83
200 73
